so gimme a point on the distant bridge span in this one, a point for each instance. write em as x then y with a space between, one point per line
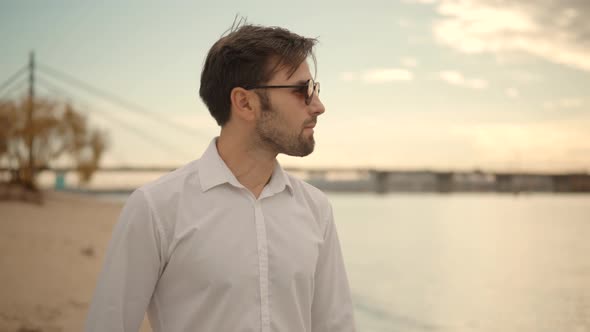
358 179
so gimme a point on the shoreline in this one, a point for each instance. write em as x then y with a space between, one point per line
51 257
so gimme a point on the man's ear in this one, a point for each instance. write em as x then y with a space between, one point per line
244 103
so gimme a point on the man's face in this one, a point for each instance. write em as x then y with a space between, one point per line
286 123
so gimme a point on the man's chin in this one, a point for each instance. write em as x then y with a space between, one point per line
299 154
303 152
307 150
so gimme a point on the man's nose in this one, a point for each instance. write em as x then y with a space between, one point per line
316 106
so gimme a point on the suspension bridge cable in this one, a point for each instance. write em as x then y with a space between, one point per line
15 87
67 100
114 99
146 136
13 77
83 107
54 94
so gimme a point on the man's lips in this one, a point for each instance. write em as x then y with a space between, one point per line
310 126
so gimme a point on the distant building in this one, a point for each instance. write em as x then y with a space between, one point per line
474 182
416 181
571 183
524 183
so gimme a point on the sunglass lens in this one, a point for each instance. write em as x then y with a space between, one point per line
312 88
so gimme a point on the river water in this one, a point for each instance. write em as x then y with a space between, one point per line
466 262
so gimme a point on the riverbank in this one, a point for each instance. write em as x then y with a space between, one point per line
50 257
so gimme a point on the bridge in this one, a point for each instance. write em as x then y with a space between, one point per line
63 86
366 180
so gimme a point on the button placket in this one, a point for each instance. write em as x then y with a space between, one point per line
262 245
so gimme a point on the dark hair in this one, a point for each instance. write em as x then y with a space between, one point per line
246 57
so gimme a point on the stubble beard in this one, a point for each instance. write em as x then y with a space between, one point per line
269 132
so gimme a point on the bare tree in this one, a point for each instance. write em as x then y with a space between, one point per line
59 132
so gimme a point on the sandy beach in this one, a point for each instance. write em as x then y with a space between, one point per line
50 257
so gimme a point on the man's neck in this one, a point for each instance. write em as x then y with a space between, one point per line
251 165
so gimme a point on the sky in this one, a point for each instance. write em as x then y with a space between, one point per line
495 85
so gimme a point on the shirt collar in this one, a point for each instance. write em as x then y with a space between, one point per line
213 172
279 180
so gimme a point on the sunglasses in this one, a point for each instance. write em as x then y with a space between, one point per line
309 89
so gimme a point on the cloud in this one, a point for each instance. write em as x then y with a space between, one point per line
512 92
420 1
409 62
379 75
385 75
524 76
405 23
565 103
557 31
456 78
451 141
535 146
348 76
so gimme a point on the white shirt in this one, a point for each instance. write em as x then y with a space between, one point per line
200 253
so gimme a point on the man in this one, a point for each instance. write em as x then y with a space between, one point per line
230 242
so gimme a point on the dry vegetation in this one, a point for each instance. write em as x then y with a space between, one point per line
56 132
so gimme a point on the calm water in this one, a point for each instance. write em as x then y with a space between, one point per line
467 262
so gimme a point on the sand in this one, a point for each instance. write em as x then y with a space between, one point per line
50 258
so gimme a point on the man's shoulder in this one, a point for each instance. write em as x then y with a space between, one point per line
309 192
173 182
303 185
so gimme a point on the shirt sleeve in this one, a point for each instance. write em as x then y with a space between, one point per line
130 272
332 309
